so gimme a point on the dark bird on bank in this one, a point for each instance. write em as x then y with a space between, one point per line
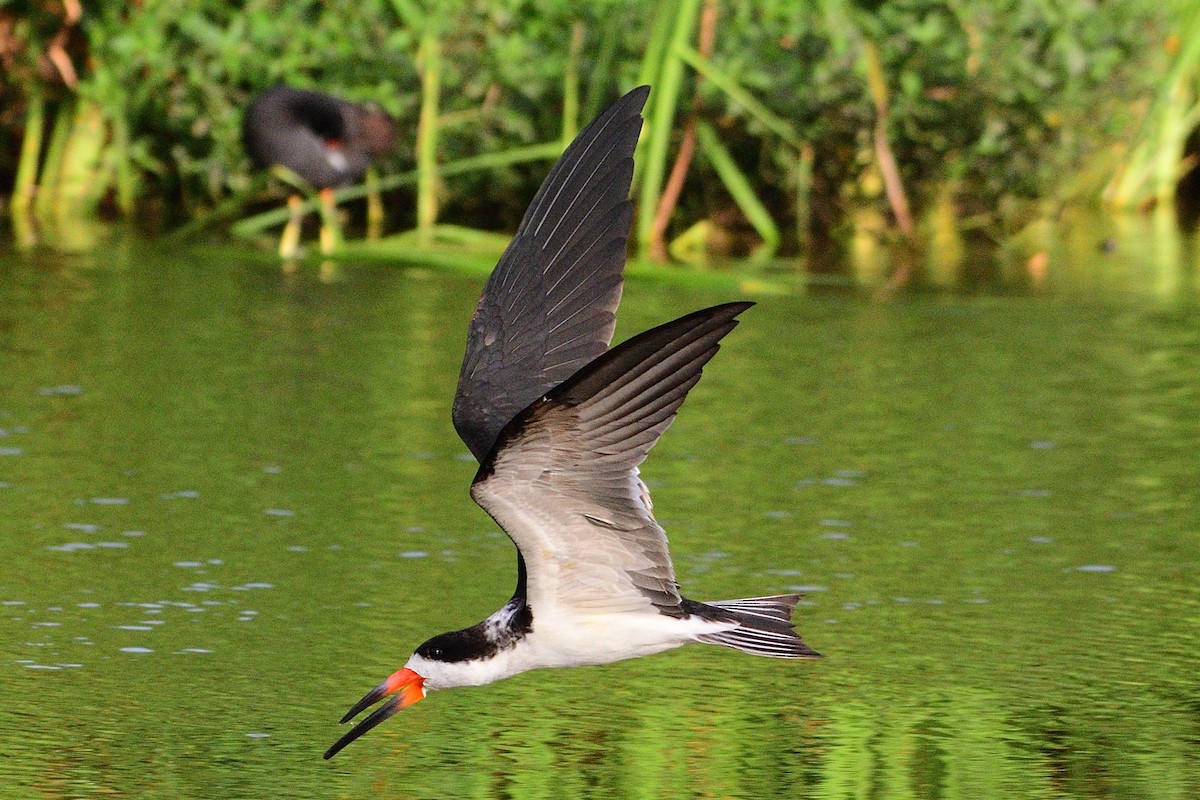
326 141
560 424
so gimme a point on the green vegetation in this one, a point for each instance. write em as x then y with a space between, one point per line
818 127
1153 169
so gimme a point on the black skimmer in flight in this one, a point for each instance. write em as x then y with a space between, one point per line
559 424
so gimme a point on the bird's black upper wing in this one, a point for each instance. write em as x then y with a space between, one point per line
563 478
550 304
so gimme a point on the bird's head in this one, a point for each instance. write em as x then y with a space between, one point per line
444 662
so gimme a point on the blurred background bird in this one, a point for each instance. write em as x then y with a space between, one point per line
316 143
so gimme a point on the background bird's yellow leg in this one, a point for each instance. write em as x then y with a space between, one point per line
289 242
331 226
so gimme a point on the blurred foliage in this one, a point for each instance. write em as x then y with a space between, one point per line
182 72
1003 100
1000 97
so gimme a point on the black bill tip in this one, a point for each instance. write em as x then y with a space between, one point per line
380 714
369 699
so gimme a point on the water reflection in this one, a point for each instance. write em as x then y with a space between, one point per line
1072 251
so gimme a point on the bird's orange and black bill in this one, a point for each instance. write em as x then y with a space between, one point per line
411 688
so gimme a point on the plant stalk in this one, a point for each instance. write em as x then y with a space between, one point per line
570 115
662 118
427 136
25 186
740 189
657 250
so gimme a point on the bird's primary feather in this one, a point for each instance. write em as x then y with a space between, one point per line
550 305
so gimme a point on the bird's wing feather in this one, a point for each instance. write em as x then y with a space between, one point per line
550 304
563 478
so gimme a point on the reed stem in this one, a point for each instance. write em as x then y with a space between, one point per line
602 70
121 165
884 157
25 186
648 72
669 198
375 212
804 182
740 189
570 115
665 99
43 203
427 135
81 181
729 85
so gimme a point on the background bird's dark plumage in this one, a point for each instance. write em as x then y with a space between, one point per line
325 140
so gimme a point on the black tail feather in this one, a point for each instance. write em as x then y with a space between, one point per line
765 626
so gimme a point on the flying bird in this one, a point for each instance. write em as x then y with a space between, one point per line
560 424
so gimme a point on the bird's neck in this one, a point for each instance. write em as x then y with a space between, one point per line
508 625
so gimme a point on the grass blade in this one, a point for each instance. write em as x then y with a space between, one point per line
665 99
739 187
570 115
651 66
31 147
427 135
251 226
729 85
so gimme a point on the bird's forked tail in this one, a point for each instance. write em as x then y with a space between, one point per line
764 626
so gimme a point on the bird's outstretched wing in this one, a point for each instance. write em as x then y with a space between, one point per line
550 304
563 479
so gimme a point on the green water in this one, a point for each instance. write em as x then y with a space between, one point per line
231 501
